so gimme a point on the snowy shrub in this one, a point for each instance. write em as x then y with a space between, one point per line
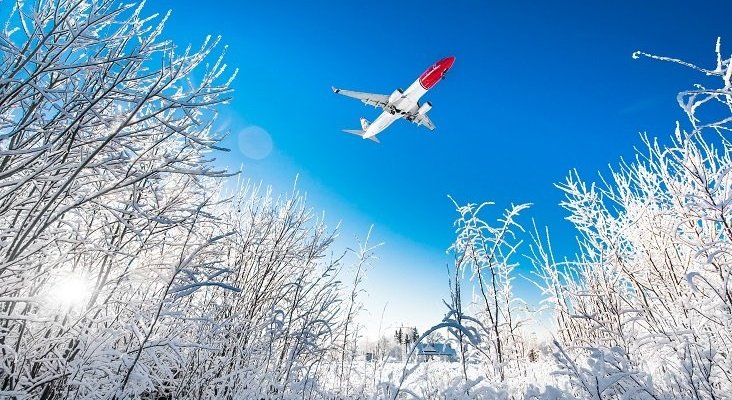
488 330
648 303
125 269
608 374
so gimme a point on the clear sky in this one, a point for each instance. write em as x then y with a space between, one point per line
538 88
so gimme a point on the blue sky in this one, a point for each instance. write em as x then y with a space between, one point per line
536 90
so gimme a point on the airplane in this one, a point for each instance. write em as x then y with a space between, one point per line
400 104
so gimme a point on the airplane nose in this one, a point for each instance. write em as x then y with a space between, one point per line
435 72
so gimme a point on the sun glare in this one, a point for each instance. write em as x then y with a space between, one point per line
70 291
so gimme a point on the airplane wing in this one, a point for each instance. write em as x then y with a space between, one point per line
423 120
376 100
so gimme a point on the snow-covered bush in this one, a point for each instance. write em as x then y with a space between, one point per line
488 330
643 312
648 304
485 255
125 269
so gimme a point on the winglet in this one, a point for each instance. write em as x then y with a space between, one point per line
335 89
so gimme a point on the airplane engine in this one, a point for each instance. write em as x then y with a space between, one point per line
396 96
424 108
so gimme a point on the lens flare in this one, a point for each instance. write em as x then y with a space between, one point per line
71 291
255 142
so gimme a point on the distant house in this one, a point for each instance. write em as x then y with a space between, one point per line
436 351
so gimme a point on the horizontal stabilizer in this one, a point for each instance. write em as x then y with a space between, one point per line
360 133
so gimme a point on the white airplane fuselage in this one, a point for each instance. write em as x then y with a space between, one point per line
408 101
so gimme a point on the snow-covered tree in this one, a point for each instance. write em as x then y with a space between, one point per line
104 191
126 268
648 303
485 254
